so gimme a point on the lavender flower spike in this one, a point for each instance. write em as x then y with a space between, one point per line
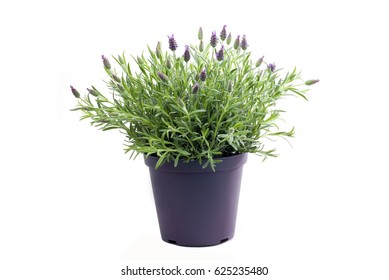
172 43
201 46
229 87
106 63
158 50
200 34
311 82
92 92
229 37
186 54
259 62
116 78
75 92
271 67
195 88
237 43
203 75
220 54
120 87
213 39
168 64
223 33
162 76
244 44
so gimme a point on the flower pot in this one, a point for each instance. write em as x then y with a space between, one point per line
196 206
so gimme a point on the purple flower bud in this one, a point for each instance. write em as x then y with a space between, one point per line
237 43
201 46
259 62
162 76
311 82
106 63
271 67
186 54
195 88
213 39
244 44
92 92
203 75
75 92
172 43
229 37
116 78
220 54
158 50
200 33
223 33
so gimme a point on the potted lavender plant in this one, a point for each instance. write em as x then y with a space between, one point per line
194 116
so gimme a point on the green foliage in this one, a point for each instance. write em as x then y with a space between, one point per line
166 109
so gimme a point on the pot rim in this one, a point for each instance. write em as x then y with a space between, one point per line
227 163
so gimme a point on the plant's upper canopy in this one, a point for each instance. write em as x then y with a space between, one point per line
210 101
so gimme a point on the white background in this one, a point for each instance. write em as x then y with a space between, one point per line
72 206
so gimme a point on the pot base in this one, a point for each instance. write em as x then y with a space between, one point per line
191 245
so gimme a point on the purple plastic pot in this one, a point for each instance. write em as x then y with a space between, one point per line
196 206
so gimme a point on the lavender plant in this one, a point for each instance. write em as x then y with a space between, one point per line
212 101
